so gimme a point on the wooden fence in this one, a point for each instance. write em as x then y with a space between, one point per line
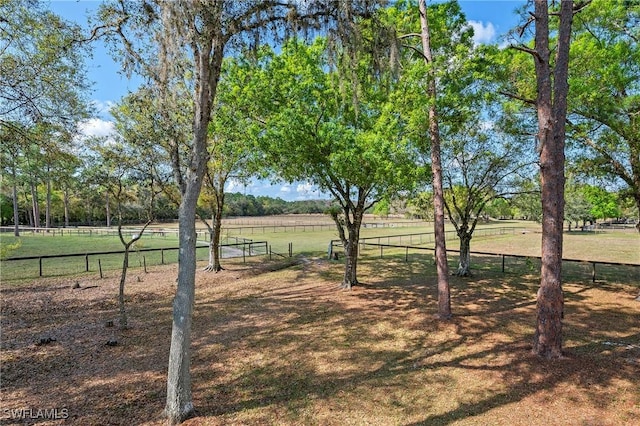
400 248
93 261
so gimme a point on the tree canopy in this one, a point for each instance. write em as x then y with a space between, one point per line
317 129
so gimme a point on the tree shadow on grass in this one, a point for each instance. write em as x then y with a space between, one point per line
288 347
307 347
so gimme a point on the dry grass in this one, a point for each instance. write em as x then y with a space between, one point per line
287 347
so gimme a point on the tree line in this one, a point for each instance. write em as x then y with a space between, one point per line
374 104
238 204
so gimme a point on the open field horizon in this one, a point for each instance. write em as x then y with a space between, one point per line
521 238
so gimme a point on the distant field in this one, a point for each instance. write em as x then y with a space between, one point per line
610 246
309 235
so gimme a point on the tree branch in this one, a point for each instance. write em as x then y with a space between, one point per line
525 49
517 97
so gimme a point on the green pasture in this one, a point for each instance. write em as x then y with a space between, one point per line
503 237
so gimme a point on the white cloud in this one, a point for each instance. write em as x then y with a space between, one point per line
233 185
286 189
306 191
305 188
482 33
96 127
102 107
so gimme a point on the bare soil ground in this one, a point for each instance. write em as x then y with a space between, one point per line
285 346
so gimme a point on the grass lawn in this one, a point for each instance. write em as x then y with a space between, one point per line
285 346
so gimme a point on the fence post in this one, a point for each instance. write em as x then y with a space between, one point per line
593 272
503 263
86 262
380 252
40 265
100 268
244 258
162 256
290 249
406 254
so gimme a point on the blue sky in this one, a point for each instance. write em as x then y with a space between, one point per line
489 18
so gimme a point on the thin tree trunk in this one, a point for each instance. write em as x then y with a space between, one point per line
107 209
125 266
34 205
637 200
551 106
214 244
66 208
89 212
217 227
123 277
47 214
442 267
16 212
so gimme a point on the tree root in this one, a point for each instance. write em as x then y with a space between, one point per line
211 268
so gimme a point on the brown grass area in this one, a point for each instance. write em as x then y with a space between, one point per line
287 347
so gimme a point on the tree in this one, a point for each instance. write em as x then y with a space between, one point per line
43 90
12 138
168 41
442 266
478 171
123 171
551 106
143 129
604 95
604 204
42 73
577 207
231 155
444 41
317 129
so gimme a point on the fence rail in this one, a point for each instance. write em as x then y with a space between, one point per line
241 248
256 228
428 237
364 243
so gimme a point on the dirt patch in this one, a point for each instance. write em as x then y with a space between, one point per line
285 346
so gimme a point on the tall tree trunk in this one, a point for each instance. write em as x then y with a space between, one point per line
552 106
47 210
464 261
88 212
208 63
107 209
66 207
442 267
35 207
16 212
